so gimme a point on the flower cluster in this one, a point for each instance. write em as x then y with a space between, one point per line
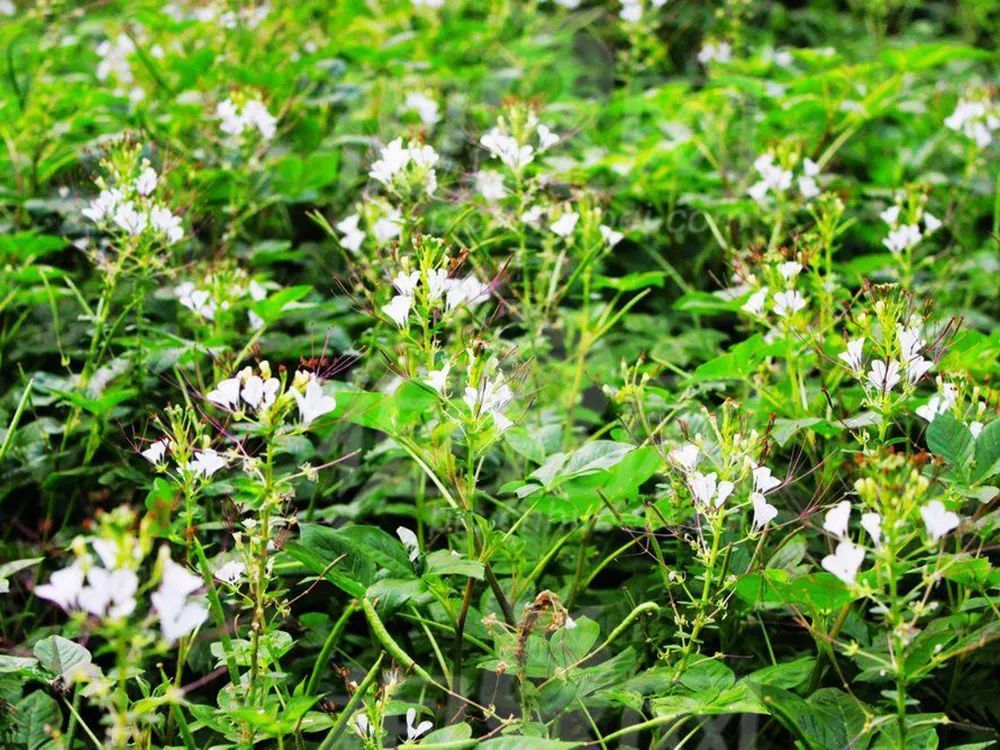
786 301
847 558
777 176
885 374
710 494
516 151
128 205
256 392
219 292
976 118
236 119
904 227
405 168
384 221
433 289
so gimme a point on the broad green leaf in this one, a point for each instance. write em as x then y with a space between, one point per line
949 438
35 716
60 655
988 451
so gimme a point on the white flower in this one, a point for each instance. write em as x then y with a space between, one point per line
146 182
975 120
939 402
491 397
260 393
976 427
388 226
706 491
532 217
361 724
938 520
610 236
808 188
931 222
231 572
890 215
314 403
109 592
469 291
438 379
206 463
64 586
409 540
489 183
853 356
398 309
845 562
546 138
197 301
393 160
872 523
130 219
425 107
564 225
763 482
902 238
789 270
755 302
837 518
414 732
763 511
758 191
103 206
226 393
166 222
179 613
231 122
788 303
685 456
255 114
715 52
910 343
506 148
916 368
884 377
353 236
155 452
406 283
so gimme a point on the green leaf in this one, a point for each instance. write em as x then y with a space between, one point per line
60 655
10 568
443 563
787 675
988 451
738 363
10 663
949 438
35 716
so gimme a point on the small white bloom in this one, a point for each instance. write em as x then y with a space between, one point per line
179 613
788 303
425 107
610 236
489 184
260 393
707 492
938 520
902 238
931 222
314 403
853 356
226 393
763 481
890 215
789 270
398 309
409 540
755 302
845 562
685 456
546 138
206 463
130 219
415 732
565 224
392 161
146 182
763 511
231 572
155 452
353 236
406 283
837 518
438 379
884 377
872 523
64 586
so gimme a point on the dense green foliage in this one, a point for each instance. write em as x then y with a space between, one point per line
471 373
